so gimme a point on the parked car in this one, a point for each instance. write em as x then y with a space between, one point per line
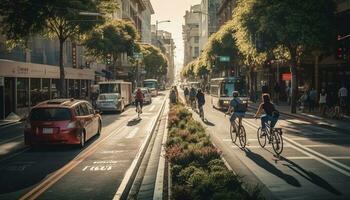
147 94
62 121
110 102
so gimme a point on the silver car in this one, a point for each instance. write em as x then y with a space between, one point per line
110 102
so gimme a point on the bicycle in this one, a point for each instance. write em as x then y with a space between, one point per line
274 135
241 132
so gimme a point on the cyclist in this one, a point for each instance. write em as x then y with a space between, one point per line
192 96
186 93
237 108
201 101
271 114
139 99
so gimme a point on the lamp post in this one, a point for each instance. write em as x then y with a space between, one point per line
157 23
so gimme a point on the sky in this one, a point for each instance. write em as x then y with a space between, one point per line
173 10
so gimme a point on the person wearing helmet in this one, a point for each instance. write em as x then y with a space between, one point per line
237 108
139 98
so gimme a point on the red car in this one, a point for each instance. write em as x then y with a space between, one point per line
62 121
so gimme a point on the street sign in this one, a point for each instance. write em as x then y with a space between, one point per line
224 58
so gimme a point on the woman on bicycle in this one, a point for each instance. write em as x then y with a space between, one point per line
237 109
271 114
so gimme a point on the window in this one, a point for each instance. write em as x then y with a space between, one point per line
50 114
46 89
82 110
91 110
196 51
35 91
22 92
196 39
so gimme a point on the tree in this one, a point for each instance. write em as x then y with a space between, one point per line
155 62
59 19
188 70
287 27
111 39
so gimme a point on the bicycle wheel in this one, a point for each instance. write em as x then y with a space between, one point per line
277 142
242 137
261 137
233 134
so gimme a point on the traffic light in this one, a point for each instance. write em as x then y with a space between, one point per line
109 59
341 54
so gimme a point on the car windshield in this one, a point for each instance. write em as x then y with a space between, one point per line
107 96
150 84
50 114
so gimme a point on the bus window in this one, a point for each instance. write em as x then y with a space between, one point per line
109 88
150 84
214 90
227 89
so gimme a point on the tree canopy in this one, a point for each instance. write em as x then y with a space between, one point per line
154 60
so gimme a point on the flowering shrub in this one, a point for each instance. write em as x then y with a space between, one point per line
197 170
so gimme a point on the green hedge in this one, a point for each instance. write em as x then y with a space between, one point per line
196 167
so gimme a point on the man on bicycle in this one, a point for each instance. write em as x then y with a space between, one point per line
192 96
237 108
139 99
271 114
201 100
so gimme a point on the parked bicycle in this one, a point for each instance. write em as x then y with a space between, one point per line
273 135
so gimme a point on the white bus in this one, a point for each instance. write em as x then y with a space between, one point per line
121 87
152 84
221 90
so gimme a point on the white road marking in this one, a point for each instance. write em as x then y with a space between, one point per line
340 157
299 158
132 133
152 108
8 140
318 145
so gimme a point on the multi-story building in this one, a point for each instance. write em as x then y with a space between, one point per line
30 76
190 32
209 20
146 24
165 43
224 12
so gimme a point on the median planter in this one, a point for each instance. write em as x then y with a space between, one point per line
197 171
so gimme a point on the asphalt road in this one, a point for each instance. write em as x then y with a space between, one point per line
315 162
67 172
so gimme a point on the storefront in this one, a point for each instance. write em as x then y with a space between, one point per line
23 85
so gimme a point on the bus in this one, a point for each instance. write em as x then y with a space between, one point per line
121 87
152 84
221 90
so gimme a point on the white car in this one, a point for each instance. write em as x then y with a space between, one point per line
110 102
146 94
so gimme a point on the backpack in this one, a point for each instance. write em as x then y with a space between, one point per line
240 107
139 95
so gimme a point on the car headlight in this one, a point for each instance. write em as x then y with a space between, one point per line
225 102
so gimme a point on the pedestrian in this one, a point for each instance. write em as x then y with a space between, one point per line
302 101
323 101
276 89
288 94
172 96
312 99
343 97
186 93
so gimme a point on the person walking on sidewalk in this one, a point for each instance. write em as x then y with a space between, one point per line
323 102
312 99
288 94
343 97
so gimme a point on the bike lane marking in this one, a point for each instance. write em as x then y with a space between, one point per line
132 133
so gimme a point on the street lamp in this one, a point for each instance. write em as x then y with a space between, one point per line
159 22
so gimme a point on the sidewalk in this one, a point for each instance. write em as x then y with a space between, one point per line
313 117
10 119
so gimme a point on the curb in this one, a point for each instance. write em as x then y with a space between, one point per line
9 123
125 185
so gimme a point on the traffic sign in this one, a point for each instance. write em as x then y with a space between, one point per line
224 58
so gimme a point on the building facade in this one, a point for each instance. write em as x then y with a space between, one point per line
30 76
209 21
146 24
225 10
191 33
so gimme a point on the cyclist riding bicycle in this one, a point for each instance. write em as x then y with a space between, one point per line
139 99
237 108
201 100
271 114
192 96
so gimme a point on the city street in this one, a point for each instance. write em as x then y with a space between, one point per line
314 163
59 172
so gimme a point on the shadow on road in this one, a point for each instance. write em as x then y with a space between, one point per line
134 122
312 177
263 163
208 122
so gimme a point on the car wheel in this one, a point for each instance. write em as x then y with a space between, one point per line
82 139
99 128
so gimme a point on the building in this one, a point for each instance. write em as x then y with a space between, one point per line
190 32
209 21
225 10
146 24
30 76
166 44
